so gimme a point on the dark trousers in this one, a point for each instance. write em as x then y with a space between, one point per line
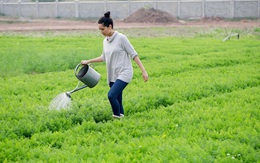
115 96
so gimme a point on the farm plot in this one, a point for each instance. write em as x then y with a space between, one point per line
201 103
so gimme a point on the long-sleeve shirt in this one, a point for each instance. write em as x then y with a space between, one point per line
117 53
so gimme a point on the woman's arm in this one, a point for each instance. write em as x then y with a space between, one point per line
85 62
139 63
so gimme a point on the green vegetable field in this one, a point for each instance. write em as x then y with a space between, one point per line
201 103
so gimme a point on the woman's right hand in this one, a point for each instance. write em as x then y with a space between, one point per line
85 62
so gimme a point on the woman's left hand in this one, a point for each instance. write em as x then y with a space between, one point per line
145 76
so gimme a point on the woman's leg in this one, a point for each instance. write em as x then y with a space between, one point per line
115 96
120 100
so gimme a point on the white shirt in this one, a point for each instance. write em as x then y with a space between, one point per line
117 53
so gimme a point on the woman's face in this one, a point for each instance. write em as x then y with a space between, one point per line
106 31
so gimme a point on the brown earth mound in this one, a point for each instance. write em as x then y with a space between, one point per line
150 16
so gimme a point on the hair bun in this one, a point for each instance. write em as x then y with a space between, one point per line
107 14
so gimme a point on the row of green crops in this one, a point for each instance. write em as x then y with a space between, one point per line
201 103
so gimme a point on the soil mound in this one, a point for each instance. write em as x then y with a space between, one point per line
150 16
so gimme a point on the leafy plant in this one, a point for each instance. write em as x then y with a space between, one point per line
201 103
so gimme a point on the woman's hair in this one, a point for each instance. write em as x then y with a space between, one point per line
106 20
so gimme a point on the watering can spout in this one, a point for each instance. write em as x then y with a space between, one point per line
68 94
75 90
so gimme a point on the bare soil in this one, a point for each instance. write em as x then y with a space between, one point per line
10 24
151 15
142 18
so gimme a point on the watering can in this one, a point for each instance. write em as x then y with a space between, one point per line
86 75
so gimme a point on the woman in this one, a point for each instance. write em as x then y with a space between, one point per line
117 53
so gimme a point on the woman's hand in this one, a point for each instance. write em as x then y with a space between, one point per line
144 73
145 76
85 62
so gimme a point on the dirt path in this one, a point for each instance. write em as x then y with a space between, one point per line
12 24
